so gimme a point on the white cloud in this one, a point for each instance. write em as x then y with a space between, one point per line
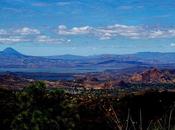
40 4
27 31
62 3
62 30
33 35
46 4
26 34
3 32
118 30
10 36
12 39
172 44
125 7
50 40
43 38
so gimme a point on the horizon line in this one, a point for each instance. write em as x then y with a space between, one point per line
85 55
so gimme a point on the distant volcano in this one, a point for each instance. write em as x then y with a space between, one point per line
10 52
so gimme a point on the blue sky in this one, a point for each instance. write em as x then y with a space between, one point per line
87 27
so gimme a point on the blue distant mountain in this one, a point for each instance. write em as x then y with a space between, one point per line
10 52
156 56
10 58
67 57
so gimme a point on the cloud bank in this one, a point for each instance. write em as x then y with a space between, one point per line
26 34
118 30
33 35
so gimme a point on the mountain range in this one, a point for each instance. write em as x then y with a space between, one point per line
10 59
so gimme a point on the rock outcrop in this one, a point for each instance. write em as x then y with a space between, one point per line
151 76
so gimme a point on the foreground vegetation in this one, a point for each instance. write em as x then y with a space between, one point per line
38 108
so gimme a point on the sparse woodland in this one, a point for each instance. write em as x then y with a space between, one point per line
38 108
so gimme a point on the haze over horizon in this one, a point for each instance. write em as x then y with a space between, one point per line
10 50
79 27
